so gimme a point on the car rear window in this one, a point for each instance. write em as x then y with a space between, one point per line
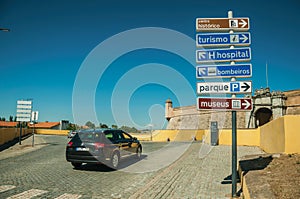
90 136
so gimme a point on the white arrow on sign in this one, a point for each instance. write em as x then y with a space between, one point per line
246 104
243 23
202 55
244 38
202 71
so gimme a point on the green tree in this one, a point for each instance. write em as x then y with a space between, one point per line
129 129
71 127
90 124
11 118
3 119
104 126
114 126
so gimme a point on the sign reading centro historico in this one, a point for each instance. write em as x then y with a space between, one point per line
240 104
222 24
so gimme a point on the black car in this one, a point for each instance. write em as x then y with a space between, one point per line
106 146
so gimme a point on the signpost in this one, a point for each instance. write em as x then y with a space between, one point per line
222 24
223 39
34 118
232 71
223 55
224 71
238 104
224 87
24 108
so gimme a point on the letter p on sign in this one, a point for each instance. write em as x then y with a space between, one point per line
235 87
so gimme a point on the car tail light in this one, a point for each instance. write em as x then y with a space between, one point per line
99 145
70 144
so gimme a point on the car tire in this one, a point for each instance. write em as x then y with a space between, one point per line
76 165
115 160
139 152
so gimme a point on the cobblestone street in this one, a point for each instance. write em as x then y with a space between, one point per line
44 173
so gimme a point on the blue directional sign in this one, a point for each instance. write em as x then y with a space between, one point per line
223 39
224 71
223 55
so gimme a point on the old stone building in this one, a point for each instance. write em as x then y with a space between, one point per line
267 106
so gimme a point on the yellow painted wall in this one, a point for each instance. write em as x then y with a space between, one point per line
278 136
292 133
8 134
178 135
245 137
272 138
51 132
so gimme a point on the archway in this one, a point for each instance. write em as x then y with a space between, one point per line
263 116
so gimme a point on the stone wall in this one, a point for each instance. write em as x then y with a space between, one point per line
191 118
292 102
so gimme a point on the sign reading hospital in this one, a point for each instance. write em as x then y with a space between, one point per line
223 55
223 39
240 104
204 88
222 24
224 71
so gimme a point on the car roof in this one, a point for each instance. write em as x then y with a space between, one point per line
99 130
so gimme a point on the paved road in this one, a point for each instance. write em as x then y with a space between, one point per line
44 173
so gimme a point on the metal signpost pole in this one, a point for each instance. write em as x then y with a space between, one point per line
33 135
234 142
20 136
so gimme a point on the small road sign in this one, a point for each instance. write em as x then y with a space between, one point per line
224 71
223 55
236 104
222 24
237 87
223 39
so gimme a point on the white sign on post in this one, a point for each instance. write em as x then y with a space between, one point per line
34 116
24 108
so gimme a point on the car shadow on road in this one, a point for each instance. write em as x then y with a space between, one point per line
105 168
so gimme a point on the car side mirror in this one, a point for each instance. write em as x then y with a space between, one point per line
134 138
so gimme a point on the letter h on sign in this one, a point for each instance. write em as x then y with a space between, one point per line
235 87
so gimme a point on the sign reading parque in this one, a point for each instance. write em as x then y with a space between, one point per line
237 87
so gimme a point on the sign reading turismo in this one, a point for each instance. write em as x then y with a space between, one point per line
223 39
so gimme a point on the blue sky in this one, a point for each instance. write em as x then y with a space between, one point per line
51 43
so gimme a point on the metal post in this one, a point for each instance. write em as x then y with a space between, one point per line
20 136
234 142
33 135
234 155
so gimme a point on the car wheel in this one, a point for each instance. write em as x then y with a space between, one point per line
76 165
115 159
139 152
